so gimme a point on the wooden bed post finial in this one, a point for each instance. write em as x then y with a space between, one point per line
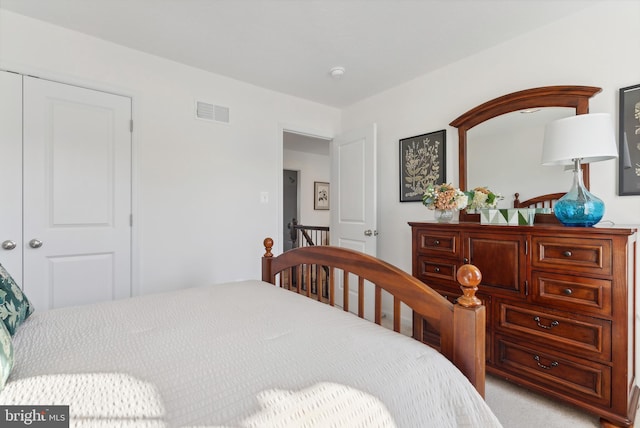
469 277
268 245
469 326
267 259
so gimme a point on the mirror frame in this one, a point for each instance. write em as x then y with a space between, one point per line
576 97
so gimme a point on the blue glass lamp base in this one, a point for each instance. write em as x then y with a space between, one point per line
581 209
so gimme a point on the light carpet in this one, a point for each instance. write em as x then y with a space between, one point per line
517 407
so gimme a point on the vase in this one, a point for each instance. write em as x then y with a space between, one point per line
444 216
579 207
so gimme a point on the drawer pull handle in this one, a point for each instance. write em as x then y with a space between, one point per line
542 366
436 242
436 270
567 253
568 291
554 323
466 260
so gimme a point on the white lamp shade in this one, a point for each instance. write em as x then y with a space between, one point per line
588 137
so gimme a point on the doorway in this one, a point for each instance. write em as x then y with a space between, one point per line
309 158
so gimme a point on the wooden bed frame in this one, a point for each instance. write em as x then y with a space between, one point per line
461 325
543 201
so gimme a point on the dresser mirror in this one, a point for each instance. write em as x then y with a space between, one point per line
504 155
506 133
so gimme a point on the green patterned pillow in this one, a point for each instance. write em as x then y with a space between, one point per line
6 355
14 305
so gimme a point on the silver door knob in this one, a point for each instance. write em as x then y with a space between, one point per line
34 243
8 244
368 232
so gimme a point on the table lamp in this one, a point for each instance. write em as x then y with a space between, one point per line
575 140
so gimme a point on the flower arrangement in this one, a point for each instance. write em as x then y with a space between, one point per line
482 197
444 197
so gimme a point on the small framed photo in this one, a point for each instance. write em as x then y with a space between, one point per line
422 162
629 142
321 195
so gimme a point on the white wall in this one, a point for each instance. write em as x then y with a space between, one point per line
198 216
597 47
312 167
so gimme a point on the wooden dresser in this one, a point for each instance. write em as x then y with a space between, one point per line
560 306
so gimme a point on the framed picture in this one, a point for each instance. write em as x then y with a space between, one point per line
629 142
321 195
422 162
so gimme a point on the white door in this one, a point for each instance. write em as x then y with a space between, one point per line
353 187
77 194
11 173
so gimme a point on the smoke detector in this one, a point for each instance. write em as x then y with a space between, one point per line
337 72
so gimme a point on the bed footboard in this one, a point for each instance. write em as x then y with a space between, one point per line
312 271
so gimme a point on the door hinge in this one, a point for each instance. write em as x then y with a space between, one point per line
526 288
526 247
131 125
130 219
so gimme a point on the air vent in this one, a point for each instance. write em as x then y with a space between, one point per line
212 112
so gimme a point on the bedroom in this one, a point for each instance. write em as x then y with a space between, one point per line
188 166
186 163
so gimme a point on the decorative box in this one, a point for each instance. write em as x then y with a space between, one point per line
511 216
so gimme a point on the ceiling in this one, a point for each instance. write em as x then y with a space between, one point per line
290 45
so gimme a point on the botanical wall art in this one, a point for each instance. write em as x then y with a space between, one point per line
422 162
321 195
629 142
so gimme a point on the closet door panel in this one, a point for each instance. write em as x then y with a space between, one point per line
77 194
11 173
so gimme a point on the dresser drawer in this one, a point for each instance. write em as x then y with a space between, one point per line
431 270
574 293
574 334
574 254
586 380
438 243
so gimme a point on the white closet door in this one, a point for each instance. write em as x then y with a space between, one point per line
77 195
11 173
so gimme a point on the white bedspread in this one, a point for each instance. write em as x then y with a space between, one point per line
94 399
211 351
321 405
